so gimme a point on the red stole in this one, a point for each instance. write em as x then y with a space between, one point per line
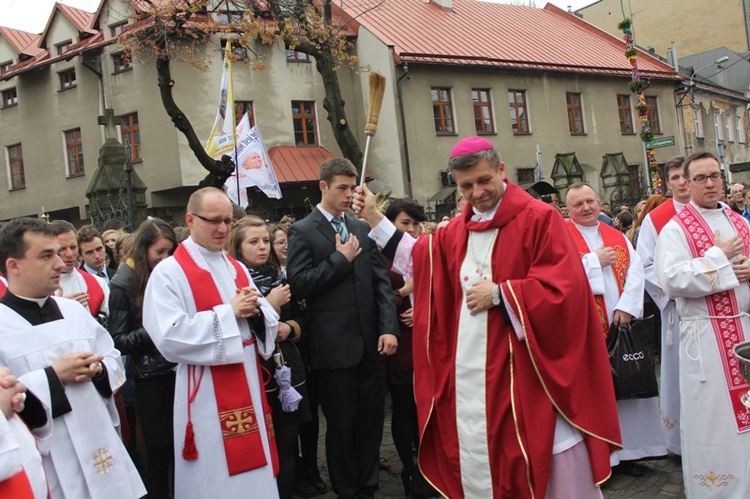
243 446
722 307
17 487
662 214
614 239
3 286
528 382
94 290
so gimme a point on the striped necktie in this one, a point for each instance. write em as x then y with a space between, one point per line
340 225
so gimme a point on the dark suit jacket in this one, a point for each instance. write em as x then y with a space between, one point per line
349 304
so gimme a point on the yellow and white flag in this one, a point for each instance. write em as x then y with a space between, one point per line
222 139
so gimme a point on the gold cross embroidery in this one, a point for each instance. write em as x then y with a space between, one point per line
103 461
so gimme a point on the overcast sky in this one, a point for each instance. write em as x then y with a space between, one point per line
32 15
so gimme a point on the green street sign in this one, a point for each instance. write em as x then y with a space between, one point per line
662 142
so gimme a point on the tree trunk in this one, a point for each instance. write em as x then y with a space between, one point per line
334 105
219 171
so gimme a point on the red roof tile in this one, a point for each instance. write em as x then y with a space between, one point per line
81 19
298 164
23 42
479 33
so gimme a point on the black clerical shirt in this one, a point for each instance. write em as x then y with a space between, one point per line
33 413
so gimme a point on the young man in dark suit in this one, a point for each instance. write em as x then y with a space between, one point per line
353 324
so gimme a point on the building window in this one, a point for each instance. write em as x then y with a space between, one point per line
131 135
575 113
482 100
519 116
653 114
296 56
240 52
5 67
303 116
729 122
740 129
240 108
10 97
68 79
525 175
698 121
442 108
718 128
73 152
625 113
63 47
116 29
15 165
121 62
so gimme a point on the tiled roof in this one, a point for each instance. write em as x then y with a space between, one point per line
298 164
23 43
486 34
83 21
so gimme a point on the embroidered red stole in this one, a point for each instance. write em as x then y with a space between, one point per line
17 487
722 307
662 214
94 290
614 239
243 446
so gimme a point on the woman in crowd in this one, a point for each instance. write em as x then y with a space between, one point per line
154 376
250 243
279 243
651 203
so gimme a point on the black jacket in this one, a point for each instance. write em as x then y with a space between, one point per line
267 278
349 304
126 328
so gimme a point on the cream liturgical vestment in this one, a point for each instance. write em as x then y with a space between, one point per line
19 453
84 457
639 418
209 338
715 443
669 382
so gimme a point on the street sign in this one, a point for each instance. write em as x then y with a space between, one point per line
662 142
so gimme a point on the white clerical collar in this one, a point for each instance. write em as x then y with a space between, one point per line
677 205
719 207
327 214
487 215
587 228
38 301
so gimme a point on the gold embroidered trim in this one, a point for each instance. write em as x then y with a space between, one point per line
515 417
238 422
711 479
544 386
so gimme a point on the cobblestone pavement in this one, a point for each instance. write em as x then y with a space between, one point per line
662 479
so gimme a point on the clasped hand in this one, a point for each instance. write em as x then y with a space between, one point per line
77 367
731 246
350 249
246 302
12 393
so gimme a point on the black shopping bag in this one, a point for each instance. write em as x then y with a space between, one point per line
632 360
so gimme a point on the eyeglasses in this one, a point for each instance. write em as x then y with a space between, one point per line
702 179
215 221
281 243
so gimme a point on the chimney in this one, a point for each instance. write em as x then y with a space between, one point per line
446 4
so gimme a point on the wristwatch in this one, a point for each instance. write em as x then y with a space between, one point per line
496 295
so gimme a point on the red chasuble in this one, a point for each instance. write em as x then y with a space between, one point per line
614 239
662 214
94 290
562 365
239 424
17 487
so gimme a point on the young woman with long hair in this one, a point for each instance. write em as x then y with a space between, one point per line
154 375
250 243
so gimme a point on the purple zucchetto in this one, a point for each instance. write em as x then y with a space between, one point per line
471 145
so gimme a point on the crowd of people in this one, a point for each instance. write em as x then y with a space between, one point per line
191 362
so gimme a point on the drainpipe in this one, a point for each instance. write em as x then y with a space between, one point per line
400 93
